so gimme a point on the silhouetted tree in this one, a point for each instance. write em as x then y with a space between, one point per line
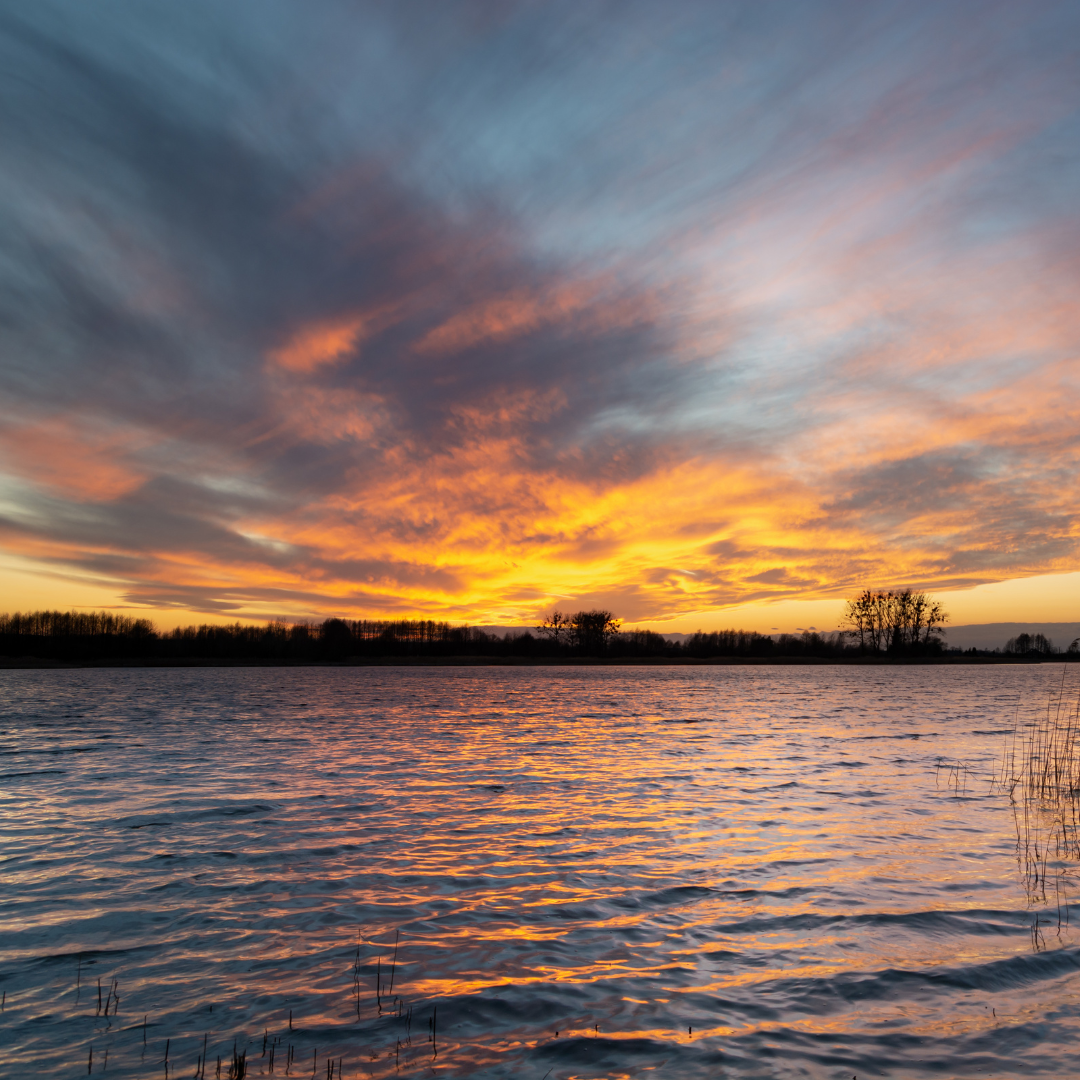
336 639
592 630
1031 645
556 628
895 621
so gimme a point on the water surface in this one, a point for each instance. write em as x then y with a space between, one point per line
623 872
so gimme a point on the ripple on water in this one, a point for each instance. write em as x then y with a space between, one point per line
569 872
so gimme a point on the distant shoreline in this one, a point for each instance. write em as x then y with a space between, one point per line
8 663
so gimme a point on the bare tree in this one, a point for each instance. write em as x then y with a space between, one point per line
556 628
592 630
895 621
1032 645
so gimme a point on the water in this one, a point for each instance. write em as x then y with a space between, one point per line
619 872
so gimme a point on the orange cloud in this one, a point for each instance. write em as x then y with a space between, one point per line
500 319
320 343
80 461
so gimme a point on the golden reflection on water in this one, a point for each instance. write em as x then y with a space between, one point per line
549 852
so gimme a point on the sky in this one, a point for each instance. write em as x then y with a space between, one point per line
708 314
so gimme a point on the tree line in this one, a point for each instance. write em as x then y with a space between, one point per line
888 624
102 637
1037 645
77 636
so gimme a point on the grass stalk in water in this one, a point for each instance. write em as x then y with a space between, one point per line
1040 771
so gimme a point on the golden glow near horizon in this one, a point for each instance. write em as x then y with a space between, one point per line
1050 598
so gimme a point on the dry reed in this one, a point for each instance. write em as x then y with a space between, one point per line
1040 771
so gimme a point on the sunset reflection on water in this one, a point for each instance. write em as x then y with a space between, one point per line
753 870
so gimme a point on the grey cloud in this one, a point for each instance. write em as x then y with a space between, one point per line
255 243
993 513
923 483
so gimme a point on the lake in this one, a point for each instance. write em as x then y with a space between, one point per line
529 872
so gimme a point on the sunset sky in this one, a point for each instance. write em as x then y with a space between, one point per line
709 314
